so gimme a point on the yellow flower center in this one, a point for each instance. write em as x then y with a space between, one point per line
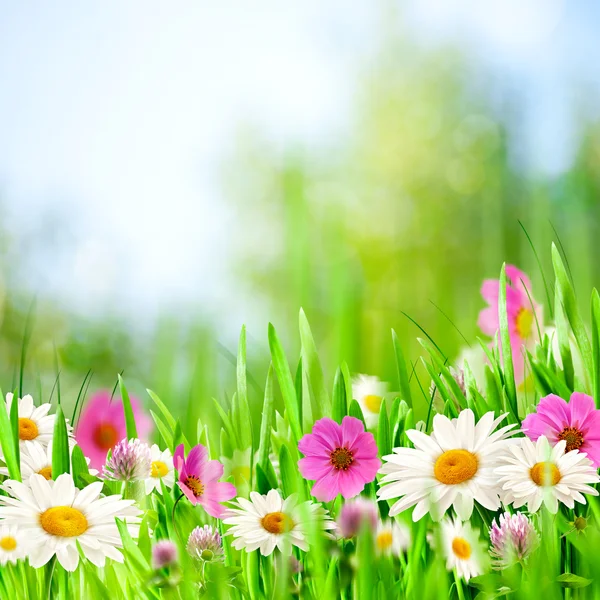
46 472
461 548
8 543
277 522
373 403
573 437
27 429
341 458
158 469
524 323
384 540
455 466
545 473
64 521
195 485
241 474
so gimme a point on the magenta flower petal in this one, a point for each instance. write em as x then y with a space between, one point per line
327 488
329 432
102 425
197 479
339 458
351 429
314 468
522 313
311 445
581 406
577 422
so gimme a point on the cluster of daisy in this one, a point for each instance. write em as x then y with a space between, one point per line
44 516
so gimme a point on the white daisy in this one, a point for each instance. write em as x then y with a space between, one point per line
13 544
369 391
462 549
532 473
161 469
55 516
36 426
269 521
392 537
452 466
37 459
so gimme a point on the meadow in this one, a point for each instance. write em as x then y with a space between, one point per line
481 481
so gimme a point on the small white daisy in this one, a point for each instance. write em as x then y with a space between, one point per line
369 391
37 459
13 544
161 469
532 473
392 538
55 517
268 521
462 549
36 426
454 466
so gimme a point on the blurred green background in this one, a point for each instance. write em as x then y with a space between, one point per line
443 153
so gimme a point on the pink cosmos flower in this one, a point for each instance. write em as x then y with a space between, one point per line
198 479
577 422
102 425
342 459
521 315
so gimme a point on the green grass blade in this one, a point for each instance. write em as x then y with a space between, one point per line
340 404
60 445
79 467
243 410
507 361
130 425
320 402
7 441
14 423
564 343
163 409
266 424
569 304
286 383
403 379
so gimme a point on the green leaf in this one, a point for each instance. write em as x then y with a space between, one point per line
340 406
163 409
384 442
289 470
60 445
356 412
320 403
163 430
507 361
243 413
567 298
14 423
570 580
564 341
130 425
266 424
7 440
286 383
402 370
79 467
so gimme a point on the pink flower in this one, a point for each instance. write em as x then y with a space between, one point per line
354 515
340 458
577 422
521 315
102 425
198 479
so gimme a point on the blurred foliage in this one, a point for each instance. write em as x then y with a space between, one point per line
406 212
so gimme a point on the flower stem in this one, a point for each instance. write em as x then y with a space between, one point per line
177 533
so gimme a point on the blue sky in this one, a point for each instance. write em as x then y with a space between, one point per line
115 117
